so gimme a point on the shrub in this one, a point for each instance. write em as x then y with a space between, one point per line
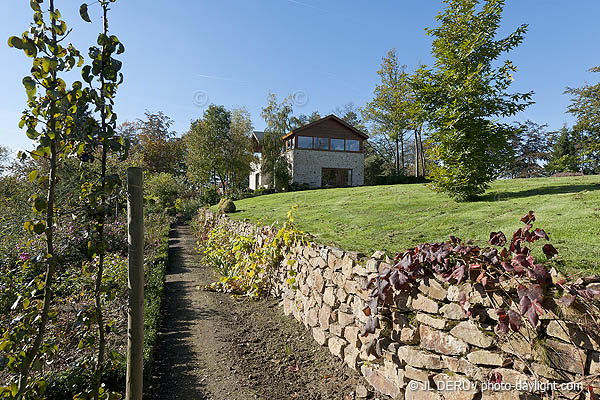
226 206
164 189
188 207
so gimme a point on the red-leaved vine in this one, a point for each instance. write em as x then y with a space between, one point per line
455 261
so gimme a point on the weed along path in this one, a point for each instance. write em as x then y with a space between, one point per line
213 346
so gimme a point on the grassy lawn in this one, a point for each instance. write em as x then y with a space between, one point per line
394 218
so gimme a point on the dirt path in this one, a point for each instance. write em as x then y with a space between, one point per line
212 346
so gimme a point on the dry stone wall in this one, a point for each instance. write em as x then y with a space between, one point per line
431 348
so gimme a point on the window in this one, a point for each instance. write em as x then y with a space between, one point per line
352 145
337 144
321 143
305 142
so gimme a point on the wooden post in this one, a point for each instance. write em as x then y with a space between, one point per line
135 320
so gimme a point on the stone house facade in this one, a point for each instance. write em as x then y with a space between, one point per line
325 153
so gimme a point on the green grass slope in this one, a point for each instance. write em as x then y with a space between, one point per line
394 218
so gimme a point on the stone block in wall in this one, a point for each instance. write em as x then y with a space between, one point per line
553 374
455 387
409 335
470 333
421 375
518 343
511 376
371 266
324 253
570 332
345 318
339 253
336 346
351 287
425 304
329 296
378 255
417 358
403 300
341 295
351 333
437 323
318 281
380 382
336 330
462 366
432 288
351 354
347 266
453 311
416 390
320 336
441 342
485 357
312 317
318 262
455 291
565 356
325 316
360 270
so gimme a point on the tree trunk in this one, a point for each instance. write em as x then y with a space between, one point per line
397 156
416 155
423 170
402 153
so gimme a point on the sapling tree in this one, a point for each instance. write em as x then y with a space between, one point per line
49 122
103 77
465 93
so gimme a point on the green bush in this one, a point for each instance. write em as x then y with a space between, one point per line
226 206
188 207
164 189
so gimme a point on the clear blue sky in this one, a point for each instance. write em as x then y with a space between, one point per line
232 52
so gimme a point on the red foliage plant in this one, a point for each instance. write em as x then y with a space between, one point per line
455 261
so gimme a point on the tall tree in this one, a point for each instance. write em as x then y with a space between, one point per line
218 148
563 157
160 150
465 92
531 145
279 121
585 106
390 108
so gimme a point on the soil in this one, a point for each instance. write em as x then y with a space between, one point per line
214 346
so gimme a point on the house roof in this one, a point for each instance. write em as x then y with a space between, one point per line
329 117
258 135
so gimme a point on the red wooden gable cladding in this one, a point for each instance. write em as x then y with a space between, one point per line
328 127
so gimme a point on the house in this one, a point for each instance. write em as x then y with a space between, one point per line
325 153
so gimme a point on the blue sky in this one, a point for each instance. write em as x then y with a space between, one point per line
184 54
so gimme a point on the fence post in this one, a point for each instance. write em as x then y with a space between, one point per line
135 320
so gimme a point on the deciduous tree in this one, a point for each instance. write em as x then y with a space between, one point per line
465 92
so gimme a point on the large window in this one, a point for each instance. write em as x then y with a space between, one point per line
337 144
352 145
305 142
321 143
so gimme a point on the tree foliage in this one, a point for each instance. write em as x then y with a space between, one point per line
563 157
218 148
585 106
463 94
390 109
279 120
159 149
531 147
